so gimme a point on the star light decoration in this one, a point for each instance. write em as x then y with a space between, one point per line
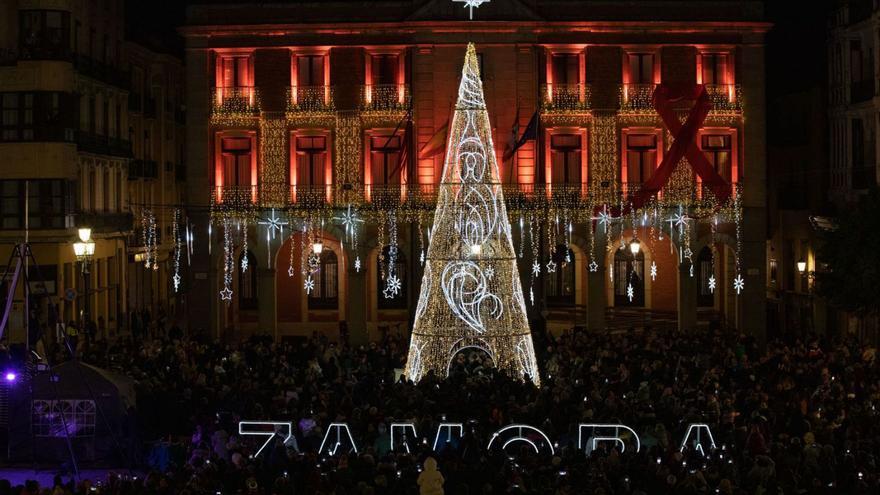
273 224
594 267
349 219
309 284
392 287
739 284
471 4
290 271
226 294
653 270
630 292
551 266
712 283
604 217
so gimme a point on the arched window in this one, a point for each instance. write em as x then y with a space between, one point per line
561 291
383 269
705 296
629 270
325 295
247 282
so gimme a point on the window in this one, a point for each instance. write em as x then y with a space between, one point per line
714 68
566 68
384 269
44 34
706 296
234 71
236 161
855 61
385 164
641 68
384 69
311 161
565 157
641 157
325 295
629 271
561 291
63 418
717 148
48 204
310 70
247 282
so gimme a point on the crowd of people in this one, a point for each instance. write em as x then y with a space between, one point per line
788 417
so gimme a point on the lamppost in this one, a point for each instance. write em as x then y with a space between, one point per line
84 250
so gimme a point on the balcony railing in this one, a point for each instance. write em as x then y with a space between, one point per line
518 197
102 71
235 101
102 145
310 99
143 169
385 97
639 97
565 97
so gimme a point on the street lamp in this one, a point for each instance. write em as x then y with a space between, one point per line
84 251
635 246
801 266
318 247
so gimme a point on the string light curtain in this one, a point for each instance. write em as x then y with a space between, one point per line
471 294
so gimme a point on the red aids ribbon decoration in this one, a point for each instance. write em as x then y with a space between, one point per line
684 144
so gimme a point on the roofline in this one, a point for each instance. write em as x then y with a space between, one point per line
407 27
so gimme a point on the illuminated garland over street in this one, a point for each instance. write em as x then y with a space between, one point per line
471 294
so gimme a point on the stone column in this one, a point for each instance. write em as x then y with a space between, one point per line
687 298
356 307
596 303
267 300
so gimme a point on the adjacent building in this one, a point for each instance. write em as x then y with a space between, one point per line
76 98
296 112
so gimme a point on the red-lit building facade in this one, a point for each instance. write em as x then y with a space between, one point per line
322 102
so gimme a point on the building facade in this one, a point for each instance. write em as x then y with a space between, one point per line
296 113
67 141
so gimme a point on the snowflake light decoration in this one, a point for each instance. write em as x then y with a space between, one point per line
712 283
176 280
349 219
679 219
244 263
604 217
653 270
594 267
357 264
630 292
392 287
309 284
471 4
226 294
536 268
489 272
273 223
551 266
739 284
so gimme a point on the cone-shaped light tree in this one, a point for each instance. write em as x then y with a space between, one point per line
471 294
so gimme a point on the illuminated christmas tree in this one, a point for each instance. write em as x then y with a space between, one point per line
471 294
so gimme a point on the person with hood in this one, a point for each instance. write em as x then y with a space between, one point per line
430 481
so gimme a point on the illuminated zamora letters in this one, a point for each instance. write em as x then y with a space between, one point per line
404 436
471 294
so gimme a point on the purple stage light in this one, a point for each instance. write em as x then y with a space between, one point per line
10 376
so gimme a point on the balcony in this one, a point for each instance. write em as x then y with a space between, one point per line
90 142
106 223
234 103
385 98
575 197
101 71
860 91
310 99
640 98
143 169
565 97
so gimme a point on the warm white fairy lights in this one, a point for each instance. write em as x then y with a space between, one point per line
175 233
459 305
